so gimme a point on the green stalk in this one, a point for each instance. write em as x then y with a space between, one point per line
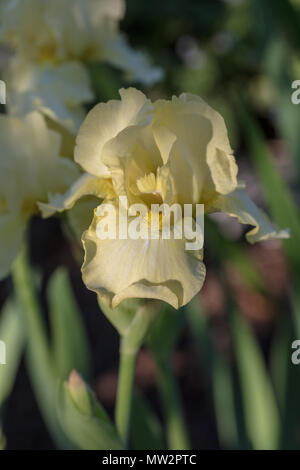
26 296
124 393
38 357
133 319
171 400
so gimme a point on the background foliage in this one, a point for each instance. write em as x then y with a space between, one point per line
233 342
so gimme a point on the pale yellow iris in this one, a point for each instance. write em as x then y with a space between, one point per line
53 41
30 170
163 152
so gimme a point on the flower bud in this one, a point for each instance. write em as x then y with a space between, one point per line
80 393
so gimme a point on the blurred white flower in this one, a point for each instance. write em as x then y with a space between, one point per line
57 91
30 171
59 31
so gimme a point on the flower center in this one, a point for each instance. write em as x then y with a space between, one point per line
149 184
148 188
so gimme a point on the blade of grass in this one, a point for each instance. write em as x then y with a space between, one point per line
224 250
146 428
12 334
286 381
70 348
221 380
162 340
260 407
38 354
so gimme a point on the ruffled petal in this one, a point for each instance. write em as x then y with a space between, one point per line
83 27
30 166
104 122
183 139
58 91
219 153
192 138
239 205
161 269
197 105
223 169
86 185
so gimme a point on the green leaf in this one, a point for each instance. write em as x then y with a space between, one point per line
162 340
39 361
12 335
69 347
177 437
166 329
2 440
220 375
223 394
278 65
286 380
287 18
224 250
280 358
90 428
260 408
146 429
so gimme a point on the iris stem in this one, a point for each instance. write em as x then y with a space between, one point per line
177 437
124 393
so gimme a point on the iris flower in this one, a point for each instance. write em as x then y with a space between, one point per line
53 41
169 152
30 170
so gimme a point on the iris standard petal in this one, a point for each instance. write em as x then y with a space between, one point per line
104 122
